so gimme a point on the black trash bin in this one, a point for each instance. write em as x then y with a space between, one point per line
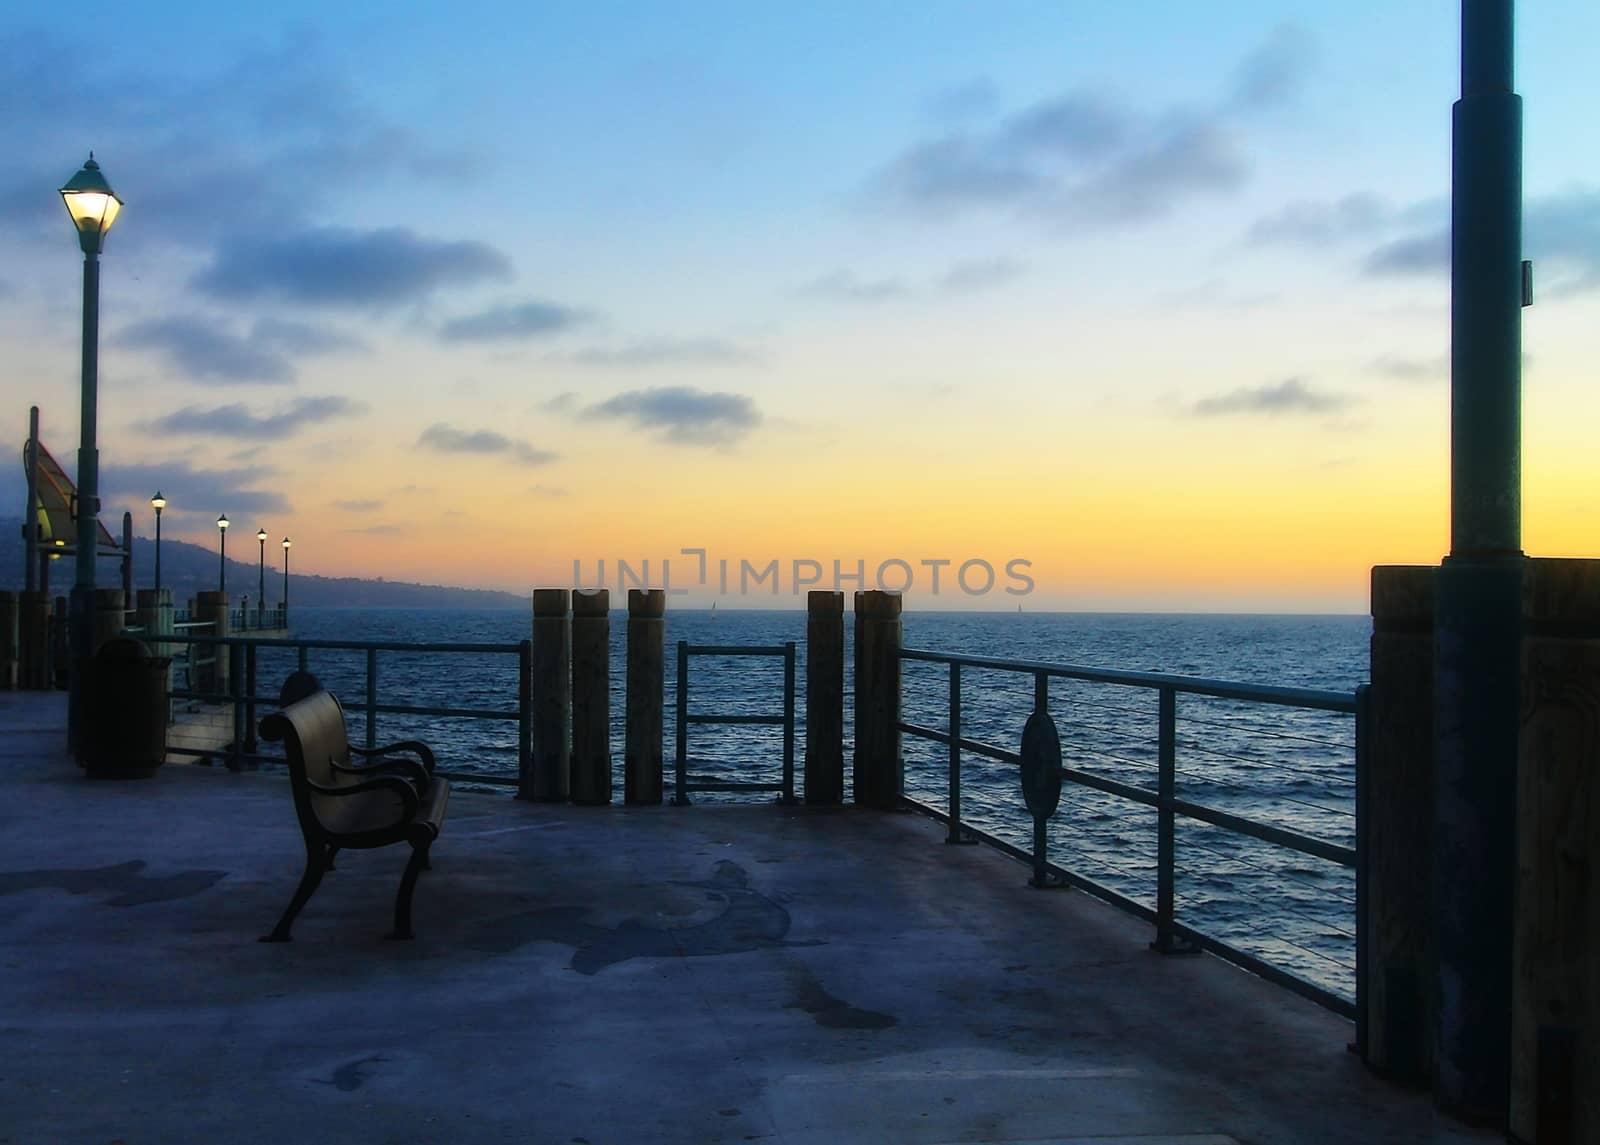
123 734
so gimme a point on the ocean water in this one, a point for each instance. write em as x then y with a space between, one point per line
1281 766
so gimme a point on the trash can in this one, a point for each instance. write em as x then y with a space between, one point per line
124 710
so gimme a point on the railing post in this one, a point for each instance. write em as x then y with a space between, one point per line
824 764
954 760
591 696
372 697
788 722
1167 942
302 659
680 794
1363 812
879 770
235 681
250 744
642 764
551 698
524 718
1041 763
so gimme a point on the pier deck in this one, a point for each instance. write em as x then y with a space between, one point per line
599 976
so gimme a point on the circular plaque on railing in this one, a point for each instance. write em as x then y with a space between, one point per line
1041 765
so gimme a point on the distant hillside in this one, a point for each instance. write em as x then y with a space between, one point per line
187 569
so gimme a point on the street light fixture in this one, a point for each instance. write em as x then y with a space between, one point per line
261 593
93 207
286 582
158 503
222 554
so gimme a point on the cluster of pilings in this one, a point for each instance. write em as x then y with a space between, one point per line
569 757
1422 1024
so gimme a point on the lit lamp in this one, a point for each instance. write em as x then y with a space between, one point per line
222 554
158 503
286 581
93 207
261 593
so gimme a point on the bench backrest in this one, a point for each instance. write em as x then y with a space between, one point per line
314 739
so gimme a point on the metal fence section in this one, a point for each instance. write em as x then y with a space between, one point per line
682 786
1042 772
240 653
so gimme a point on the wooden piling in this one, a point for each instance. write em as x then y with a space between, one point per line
879 770
1399 811
110 615
591 696
1555 1063
212 679
824 763
550 682
643 754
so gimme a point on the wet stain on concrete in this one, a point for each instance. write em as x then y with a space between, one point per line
131 888
747 920
830 1012
352 1075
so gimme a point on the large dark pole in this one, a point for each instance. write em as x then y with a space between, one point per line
30 519
82 615
286 581
261 581
158 548
1478 605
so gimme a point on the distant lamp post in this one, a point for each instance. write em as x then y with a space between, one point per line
222 554
286 581
93 207
261 586
158 503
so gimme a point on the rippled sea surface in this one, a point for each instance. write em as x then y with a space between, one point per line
1283 766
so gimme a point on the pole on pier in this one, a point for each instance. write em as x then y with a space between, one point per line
879 770
211 605
550 681
824 765
33 640
1477 619
591 696
30 519
1398 814
643 762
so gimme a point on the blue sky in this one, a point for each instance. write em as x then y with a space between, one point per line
749 256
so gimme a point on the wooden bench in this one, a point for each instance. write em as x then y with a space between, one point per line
392 799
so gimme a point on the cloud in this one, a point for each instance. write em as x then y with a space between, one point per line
1322 223
338 266
976 97
1410 369
682 414
1427 253
975 275
846 286
506 323
664 351
564 402
483 442
236 420
204 492
1290 396
363 505
378 530
205 351
1084 157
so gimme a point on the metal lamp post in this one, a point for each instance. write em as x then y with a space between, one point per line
158 503
286 581
261 586
93 207
222 554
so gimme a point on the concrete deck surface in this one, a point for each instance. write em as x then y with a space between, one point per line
609 977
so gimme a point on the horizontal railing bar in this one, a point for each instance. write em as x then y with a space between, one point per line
692 786
345 645
1190 685
736 650
1126 791
713 718
1292 840
478 777
358 706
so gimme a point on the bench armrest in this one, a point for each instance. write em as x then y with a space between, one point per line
392 783
421 750
416 772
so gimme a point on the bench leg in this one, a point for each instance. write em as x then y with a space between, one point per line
316 862
408 883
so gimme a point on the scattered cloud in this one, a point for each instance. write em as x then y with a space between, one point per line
1216 294
378 530
1410 369
483 442
1086 157
846 285
564 402
205 350
236 420
1290 396
510 323
204 492
963 101
974 275
664 351
1323 223
1427 253
682 414
361 505
339 266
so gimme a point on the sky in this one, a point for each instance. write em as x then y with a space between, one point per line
1134 306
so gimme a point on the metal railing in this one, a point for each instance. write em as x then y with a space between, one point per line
1172 935
682 786
241 653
